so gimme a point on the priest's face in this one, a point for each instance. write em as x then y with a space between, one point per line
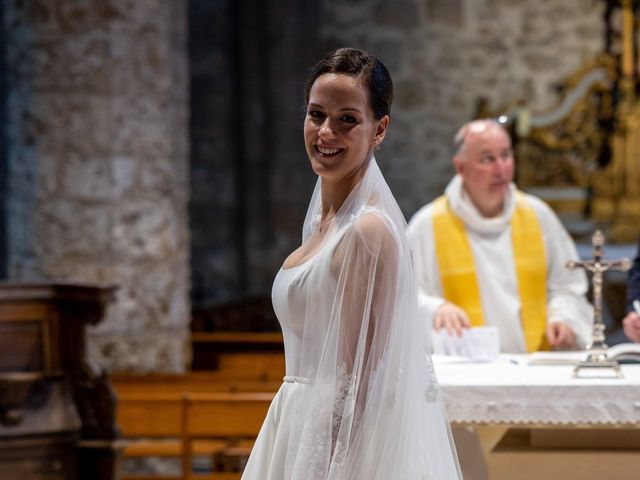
485 163
340 129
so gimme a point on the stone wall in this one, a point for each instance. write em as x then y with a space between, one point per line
98 165
445 55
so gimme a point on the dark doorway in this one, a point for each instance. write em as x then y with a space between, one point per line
3 147
249 178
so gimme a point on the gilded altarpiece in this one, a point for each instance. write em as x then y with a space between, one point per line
583 155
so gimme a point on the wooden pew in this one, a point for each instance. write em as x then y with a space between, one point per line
243 362
240 355
189 415
152 426
235 417
191 382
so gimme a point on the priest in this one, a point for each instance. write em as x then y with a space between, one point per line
486 253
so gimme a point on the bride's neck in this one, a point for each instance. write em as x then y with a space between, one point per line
335 193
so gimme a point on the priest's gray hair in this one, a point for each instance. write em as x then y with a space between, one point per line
476 126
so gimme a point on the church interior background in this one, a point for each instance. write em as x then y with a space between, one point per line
156 145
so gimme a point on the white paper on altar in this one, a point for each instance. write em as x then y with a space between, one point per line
477 344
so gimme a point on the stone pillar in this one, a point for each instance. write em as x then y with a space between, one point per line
98 165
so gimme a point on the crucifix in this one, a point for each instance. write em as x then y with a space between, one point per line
597 349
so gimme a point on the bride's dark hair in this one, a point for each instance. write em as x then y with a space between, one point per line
357 63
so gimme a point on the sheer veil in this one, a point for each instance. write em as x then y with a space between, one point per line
372 409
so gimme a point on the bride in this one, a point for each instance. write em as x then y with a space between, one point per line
360 399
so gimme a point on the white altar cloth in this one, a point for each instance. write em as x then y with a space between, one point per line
510 392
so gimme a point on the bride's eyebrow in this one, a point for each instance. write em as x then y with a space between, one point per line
345 109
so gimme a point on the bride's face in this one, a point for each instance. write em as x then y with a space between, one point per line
340 130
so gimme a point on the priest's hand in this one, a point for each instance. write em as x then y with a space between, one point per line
451 317
560 335
631 325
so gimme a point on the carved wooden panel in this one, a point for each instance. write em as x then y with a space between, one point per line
55 413
51 458
25 339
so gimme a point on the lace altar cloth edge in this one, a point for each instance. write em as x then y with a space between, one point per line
508 391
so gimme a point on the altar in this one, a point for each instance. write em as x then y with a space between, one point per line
539 422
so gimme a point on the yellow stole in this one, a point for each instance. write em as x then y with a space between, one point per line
458 271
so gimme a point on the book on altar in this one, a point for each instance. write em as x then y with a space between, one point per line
623 353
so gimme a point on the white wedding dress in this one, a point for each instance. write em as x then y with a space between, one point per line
290 289
359 399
